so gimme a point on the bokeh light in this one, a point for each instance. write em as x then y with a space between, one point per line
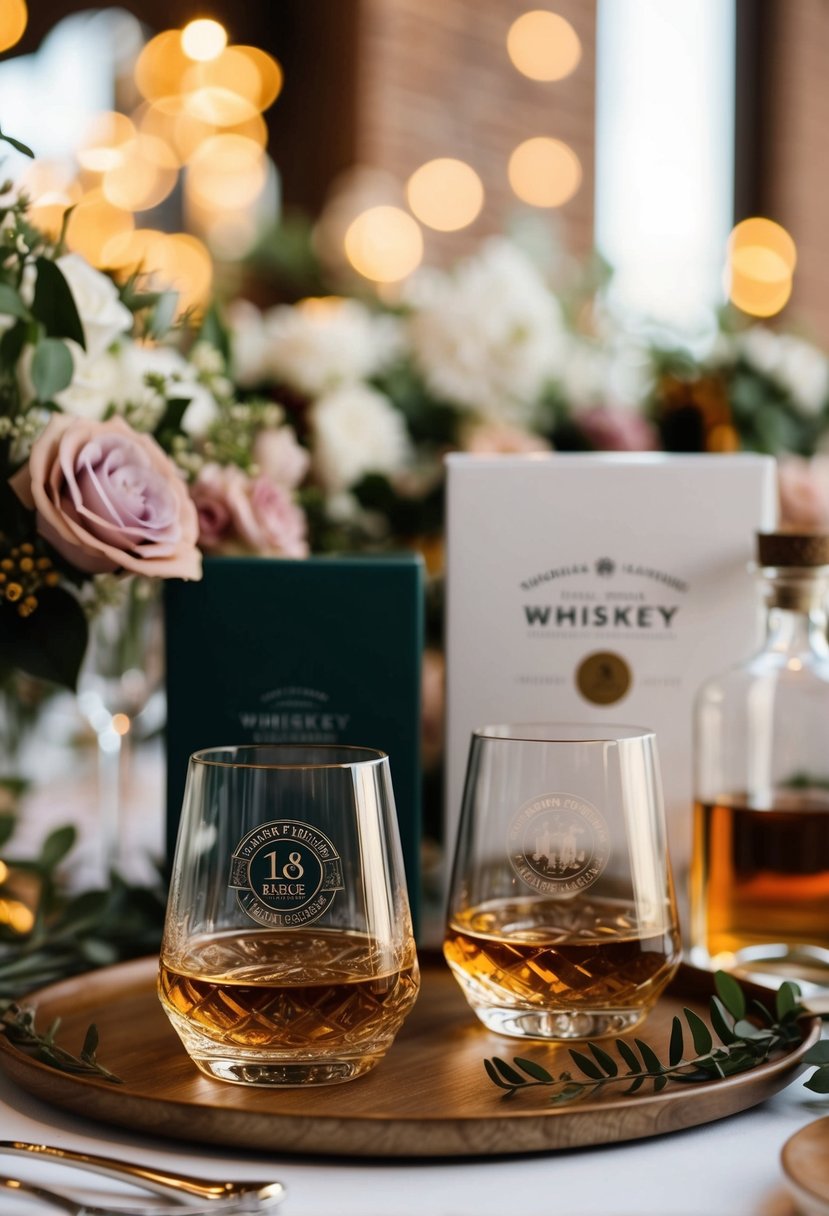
544 172
14 17
203 39
384 244
162 66
543 45
445 194
269 72
101 147
224 91
761 260
227 172
145 175
93 224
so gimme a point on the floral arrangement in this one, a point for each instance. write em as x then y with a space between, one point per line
133 441
119 454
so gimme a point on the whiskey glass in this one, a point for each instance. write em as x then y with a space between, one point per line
288 956
562 917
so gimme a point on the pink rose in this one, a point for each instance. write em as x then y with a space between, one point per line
496 438
280 457
110 499
803 487
255 513
618 430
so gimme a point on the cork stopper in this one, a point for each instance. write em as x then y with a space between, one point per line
801 550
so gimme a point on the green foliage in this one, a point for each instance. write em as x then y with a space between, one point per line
17 145
745 1043
52 368
18 1025
54 305
49 644
73 933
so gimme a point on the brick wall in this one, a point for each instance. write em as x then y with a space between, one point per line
434 79
794 130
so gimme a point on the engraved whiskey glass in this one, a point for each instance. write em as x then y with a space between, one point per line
288 956
562 918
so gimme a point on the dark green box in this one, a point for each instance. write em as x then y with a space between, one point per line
325 650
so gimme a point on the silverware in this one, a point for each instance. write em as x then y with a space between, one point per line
77 1207
224 1196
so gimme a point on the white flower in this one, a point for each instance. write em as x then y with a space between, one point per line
102 314
139 361
489 336
319 344
95 384
248 343
356 430
798 367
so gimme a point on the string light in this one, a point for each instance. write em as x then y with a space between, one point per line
384 244
14 17
759 273
543 45
445 194
203 39
544 172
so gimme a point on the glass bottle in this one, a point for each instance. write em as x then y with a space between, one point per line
760 871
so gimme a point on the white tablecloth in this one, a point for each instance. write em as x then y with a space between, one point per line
728 1168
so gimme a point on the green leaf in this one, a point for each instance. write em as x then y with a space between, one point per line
508 1073
17 145
170 423
56 845
787 999
586 1065
628 1055
700 1033
12 343
163 313
819 1054
532 1069
7 824
731 994
719 1021
52 368
49 644
11 304
649 1056
677 1045
604 1061
818 1083
214 331
494 1075
90 1043
54 305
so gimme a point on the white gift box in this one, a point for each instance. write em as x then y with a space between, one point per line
599 588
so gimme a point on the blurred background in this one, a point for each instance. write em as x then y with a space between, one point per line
378 135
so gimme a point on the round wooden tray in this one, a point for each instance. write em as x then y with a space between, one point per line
429 1097
805 1160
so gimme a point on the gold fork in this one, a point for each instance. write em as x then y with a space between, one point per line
236 1196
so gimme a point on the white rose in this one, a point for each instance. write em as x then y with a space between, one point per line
248 343
490 335
102 314
355 431
317 345
95 384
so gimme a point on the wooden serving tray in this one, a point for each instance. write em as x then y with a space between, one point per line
429 1097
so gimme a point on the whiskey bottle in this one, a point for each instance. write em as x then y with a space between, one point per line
760 870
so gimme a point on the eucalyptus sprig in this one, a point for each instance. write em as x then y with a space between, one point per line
748 1034
72 932
18 1025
